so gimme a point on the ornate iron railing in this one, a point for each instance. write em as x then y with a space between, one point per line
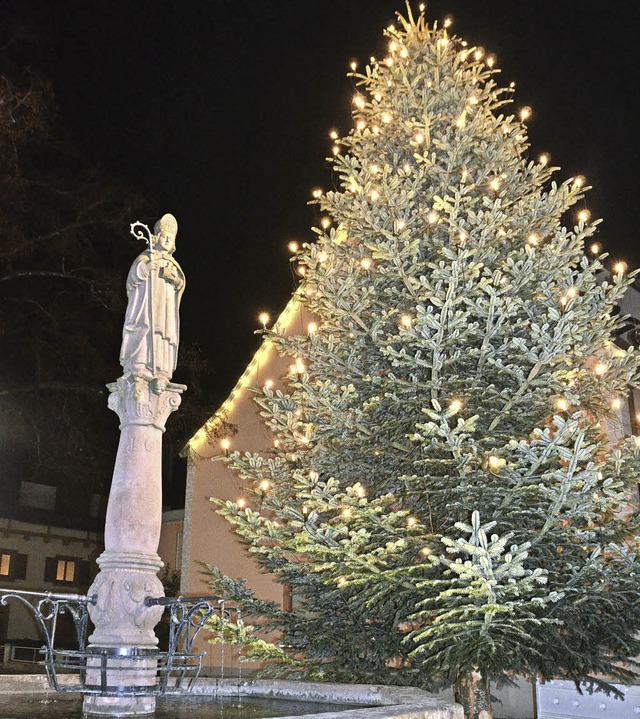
108 671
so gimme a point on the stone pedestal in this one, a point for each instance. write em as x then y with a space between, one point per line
130 562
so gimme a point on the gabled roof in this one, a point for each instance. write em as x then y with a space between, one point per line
281 325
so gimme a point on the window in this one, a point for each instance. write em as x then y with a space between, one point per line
66 570
12 564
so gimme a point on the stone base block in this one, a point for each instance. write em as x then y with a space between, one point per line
118 706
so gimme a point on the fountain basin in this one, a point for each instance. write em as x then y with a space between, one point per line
361 701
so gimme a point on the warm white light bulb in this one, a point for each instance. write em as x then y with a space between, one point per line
317 193
359 101
455 406
562 404
616 403
432 217
525 113
225 444
534 239
620 267
333 134
584 215
544 158
325 223
406 321
448 21
365 263
293 247
312 328
264 485
595 248
263 318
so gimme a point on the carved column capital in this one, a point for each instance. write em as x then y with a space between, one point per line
139 401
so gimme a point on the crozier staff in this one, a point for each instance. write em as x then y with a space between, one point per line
151 330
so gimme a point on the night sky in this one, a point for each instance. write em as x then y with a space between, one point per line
219 112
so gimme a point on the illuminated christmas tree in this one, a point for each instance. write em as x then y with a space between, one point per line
441 497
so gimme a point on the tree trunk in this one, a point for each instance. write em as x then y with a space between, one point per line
473 692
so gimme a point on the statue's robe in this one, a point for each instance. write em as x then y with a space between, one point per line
151 331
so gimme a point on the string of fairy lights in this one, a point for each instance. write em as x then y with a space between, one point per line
398 53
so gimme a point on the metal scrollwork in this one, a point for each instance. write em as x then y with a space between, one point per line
187 616
46 607
177 668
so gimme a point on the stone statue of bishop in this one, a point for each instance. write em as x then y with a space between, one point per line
151 331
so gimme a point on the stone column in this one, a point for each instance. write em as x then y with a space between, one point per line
130 562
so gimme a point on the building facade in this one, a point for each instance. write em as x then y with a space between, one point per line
42 558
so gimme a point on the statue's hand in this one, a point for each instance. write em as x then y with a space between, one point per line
169 274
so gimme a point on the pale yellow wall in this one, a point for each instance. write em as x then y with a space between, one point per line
207 536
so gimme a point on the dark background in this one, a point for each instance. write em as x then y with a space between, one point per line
219 112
